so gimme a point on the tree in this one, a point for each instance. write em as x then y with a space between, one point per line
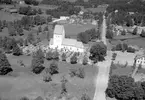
55 55
98 52
81 73
63 86
85 60
85 97
135 31
4 64
121 87
39 29
139 93
46 28
63 57
109 34
48 35
17 51
39 11
123 32
30 38
47 76
142 33
20 31
53 68
37 62
36 65
49 19
11 30
49 55
73 59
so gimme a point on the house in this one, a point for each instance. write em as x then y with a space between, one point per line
140 59
60 42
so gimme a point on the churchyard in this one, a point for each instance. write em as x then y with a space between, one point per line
77 70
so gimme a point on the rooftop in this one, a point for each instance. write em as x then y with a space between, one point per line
58 29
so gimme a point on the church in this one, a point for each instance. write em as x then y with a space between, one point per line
60 42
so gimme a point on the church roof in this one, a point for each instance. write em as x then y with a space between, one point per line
72 42
58 29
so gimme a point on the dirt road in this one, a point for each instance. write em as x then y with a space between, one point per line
103 72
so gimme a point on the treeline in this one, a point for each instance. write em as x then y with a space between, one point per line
29 11
27 22
88 35
63 10
89 3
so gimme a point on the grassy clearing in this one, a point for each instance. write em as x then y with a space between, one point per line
74 29
26 83
9 17
137 41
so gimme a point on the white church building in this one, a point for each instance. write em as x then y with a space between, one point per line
60 42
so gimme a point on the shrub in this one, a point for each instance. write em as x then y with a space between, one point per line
47 77
73 72
85 97
24 98
81 73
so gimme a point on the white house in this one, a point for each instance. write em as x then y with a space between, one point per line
140 59
60 42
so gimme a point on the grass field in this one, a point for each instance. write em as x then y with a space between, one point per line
73 29
9 17
137 41
24 83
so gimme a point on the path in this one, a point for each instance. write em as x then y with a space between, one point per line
103 70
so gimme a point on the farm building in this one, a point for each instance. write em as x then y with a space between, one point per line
60 42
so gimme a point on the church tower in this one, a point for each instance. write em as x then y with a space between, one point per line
58 35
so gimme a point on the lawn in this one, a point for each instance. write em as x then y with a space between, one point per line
9 17
73 29
24 83
135 41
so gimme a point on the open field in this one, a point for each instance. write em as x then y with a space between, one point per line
134 41
24 83
9 17
73 29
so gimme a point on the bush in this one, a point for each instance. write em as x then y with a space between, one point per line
81 73
73 72
24 98
47 77
85 97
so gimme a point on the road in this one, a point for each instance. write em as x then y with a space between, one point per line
101 80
